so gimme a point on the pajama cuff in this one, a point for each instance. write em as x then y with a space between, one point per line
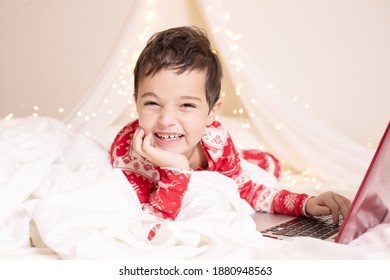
304 206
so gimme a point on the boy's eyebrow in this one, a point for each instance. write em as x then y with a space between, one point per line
187 97
148 94
191 98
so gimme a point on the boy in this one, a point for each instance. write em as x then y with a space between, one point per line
177 82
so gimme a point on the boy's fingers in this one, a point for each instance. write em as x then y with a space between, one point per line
334 209
147 144
343 204
137 141
322 210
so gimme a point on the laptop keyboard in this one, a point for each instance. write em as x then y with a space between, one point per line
318 227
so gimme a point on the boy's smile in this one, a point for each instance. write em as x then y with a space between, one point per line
173 108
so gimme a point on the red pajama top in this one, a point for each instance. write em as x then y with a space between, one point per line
161 189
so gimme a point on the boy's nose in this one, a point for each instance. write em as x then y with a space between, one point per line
167 118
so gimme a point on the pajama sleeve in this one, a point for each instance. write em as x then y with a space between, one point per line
166 200
260 196
159 190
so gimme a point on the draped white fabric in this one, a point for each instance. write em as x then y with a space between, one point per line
301 139
285 129
71 204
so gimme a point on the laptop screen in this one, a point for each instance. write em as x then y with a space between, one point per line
372 201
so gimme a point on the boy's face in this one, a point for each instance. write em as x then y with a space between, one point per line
173 108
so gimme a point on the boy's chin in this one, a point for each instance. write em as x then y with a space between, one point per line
172 150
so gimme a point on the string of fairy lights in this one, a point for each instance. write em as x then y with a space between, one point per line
291 177
118 96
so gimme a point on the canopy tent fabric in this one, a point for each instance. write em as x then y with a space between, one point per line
61 198
278 124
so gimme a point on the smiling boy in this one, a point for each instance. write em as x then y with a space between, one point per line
177 83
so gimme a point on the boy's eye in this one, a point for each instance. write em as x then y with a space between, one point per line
150 103
188 105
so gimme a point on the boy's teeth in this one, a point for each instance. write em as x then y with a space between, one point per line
169 137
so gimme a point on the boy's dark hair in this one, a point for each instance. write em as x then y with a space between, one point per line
182 49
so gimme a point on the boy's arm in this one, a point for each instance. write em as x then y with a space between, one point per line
166 201
160 190
322 204
163 198
260 196
265 199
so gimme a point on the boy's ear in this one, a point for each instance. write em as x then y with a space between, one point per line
213 112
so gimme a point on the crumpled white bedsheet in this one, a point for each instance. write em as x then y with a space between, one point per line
59 192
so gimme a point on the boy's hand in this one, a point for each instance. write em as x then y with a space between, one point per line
328 203
144 146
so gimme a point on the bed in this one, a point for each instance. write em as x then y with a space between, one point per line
61 199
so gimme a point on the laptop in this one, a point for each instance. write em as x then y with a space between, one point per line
369 208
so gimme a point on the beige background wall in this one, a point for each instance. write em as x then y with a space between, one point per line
334 56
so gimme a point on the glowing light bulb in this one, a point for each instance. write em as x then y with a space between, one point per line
9 116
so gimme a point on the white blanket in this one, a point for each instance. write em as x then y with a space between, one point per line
61 199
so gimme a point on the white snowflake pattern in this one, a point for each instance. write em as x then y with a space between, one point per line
290 201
